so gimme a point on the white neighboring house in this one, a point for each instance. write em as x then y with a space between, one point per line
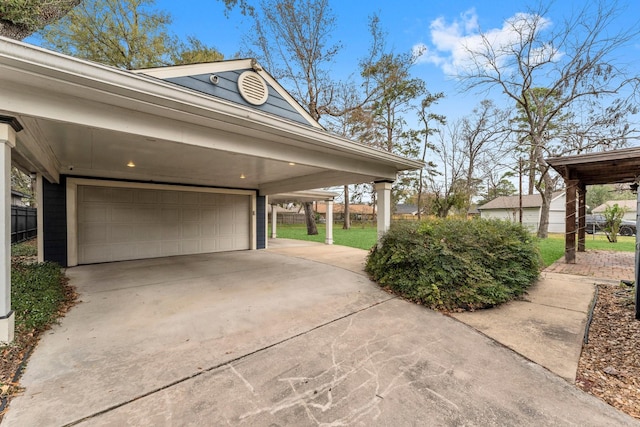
507 207
630 207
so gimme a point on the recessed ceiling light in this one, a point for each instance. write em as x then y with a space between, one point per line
131 164
242 176
291 164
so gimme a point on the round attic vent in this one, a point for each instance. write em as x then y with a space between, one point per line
253 88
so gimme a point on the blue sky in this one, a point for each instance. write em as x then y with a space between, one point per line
408 23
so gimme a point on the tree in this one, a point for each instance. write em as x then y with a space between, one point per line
502 187
613 216
194 52
448 189
482 135
128 34
293 41
21 18
577 65
600 194
396 90
427 130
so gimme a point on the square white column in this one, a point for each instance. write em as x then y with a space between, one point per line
274 221
7 142
329 222
383 190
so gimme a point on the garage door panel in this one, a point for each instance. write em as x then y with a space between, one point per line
170 215
147 232
122 233
126 223
171 231
125 214
122 195
171 247
209 230
191 214
190 247
97 213
148 197
191 198
171 198
148 249
93 233
95 194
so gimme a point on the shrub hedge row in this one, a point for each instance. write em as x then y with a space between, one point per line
454 264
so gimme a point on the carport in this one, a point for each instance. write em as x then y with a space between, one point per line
161 162
609 167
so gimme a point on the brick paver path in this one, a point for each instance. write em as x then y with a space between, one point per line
600 264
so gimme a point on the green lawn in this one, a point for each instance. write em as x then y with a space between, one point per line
363 236
552 248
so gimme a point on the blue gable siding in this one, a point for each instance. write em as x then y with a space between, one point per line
261 222
227 88
54 224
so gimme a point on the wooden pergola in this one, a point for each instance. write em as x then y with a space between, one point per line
609 167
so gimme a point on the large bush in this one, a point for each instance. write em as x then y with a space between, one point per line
454 264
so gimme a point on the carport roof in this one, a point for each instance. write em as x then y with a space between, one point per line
608 167
81 118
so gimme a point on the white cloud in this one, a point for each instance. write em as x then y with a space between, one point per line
452 42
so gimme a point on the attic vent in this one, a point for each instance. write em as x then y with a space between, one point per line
253 88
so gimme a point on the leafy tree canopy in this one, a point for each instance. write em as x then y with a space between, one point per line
128 34
20 18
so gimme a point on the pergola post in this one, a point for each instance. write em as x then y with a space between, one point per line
329 222
274 221
582 212
570 222
383 189
7 318
637 259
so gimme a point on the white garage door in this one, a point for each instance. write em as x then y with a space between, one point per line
116 224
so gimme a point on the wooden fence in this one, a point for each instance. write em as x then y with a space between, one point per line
24 224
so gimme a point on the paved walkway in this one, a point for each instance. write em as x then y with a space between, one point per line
599 264
547 326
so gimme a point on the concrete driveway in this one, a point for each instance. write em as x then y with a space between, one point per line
263 339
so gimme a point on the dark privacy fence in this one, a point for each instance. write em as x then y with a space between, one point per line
24 224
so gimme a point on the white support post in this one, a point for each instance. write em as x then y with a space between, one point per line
7 320
329 222
383 190
40 216
274 221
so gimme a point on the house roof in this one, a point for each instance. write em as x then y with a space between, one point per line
79 118
402 208
627 205
513 202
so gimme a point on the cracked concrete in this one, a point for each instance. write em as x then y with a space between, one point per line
266 338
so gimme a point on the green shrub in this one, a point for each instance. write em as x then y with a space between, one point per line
36 293
456 264
24 249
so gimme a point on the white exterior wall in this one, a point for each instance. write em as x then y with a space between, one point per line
530 216
508 214
557 214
